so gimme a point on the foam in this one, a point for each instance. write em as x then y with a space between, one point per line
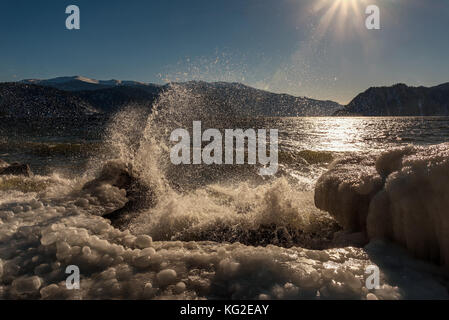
239 212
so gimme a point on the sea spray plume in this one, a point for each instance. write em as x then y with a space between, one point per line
200 202
139 135
135 150
179 106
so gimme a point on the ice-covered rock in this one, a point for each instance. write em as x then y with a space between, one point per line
400 194
26 285
121 176
346 189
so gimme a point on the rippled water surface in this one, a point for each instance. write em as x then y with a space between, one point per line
68 142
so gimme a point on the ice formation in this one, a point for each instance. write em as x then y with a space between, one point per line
42 233
401 195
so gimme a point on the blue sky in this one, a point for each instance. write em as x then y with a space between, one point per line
314 48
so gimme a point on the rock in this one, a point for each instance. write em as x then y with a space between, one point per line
50 292
140 196
115 173
371 296
142 261
16 169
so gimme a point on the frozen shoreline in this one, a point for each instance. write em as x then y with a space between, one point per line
400 194
41 234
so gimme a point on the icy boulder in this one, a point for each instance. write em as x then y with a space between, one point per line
401 194
347 188
26 286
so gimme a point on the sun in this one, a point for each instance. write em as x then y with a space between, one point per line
339 17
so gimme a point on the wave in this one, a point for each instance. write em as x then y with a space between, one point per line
271 213
309 157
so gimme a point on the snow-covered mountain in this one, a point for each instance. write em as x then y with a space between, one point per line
79 83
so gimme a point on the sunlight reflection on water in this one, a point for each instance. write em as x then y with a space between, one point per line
343 134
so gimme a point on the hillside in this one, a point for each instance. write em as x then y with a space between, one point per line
57 98
248 101
400 100
113 99
19 100
79 83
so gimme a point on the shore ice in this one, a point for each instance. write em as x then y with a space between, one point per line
400 195
40 237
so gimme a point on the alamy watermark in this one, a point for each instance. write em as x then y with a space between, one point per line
212 153
373 279
73 20
73 280
372 21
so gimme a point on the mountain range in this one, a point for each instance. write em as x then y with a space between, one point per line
57 98
79 83
77 96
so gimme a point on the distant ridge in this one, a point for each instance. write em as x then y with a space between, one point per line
67 96
400 100
54 96
79 83
19 100
240 99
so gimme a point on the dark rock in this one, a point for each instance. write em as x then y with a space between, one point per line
114 173
16 169
140 196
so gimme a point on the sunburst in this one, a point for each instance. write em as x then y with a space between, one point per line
339 17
